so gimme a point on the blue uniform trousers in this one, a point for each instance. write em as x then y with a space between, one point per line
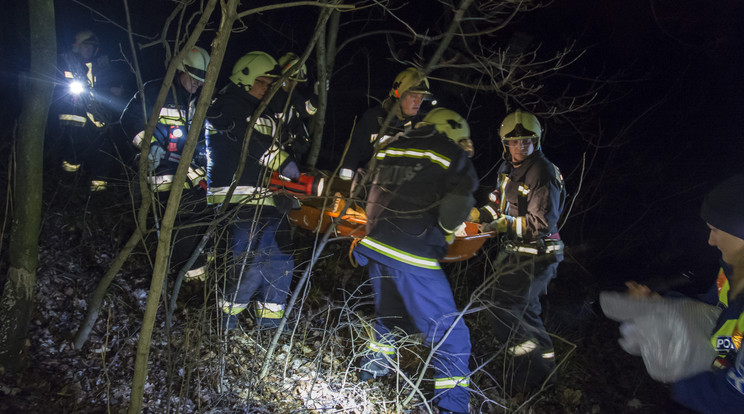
261 262
425 302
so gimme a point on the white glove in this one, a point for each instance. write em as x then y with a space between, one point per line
157 153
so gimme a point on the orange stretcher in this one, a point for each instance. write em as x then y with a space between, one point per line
318 219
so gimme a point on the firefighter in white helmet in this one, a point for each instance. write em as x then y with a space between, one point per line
260 231
166 147
524 209
422 192
409 90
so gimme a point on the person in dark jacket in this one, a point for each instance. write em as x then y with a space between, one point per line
720 390
421 192
409 90
166 147
292 108
259 243
524 209
78 113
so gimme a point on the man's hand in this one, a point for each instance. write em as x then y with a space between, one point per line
156 154
638 290
499 225
474 216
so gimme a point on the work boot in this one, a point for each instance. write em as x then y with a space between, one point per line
374 366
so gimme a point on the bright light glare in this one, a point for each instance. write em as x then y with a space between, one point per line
76 87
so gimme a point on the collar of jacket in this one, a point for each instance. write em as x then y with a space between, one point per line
527 161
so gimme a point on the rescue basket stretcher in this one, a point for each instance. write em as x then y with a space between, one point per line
317 218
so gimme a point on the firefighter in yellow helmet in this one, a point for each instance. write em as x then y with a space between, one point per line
524 210
260 231
408 91
422 192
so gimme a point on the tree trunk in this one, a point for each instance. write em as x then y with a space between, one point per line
326 53
17 303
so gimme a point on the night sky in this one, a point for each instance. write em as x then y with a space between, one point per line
669 131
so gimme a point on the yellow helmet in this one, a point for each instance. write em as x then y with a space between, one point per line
410 80
195 63
451 124
251 66
520 125
287 61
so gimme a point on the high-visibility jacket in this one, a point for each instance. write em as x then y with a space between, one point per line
722 389
174 121
228 119
422 190
81 109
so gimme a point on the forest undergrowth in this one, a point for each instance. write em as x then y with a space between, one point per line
196 368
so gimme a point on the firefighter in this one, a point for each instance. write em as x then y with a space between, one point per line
259 246
720 389
524 209
422 190
78 109
409 90
166 147
298 108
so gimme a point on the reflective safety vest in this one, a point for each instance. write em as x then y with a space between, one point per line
727 337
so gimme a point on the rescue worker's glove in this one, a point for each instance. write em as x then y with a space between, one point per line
500 225
474 216
290 171
156 154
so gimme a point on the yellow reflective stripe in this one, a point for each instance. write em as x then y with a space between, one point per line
551 246
724 290
242 194
269 310
519 226
524 348
99 124
400 255
451 382
264 125
311 110
172 116
73 119
494 214
70 167
196 174
438 159
548 355
69 75
381 348
231 308
273 158
198 273
89 75
98 185
137 140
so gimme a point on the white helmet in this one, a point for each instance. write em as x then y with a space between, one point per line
195 63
